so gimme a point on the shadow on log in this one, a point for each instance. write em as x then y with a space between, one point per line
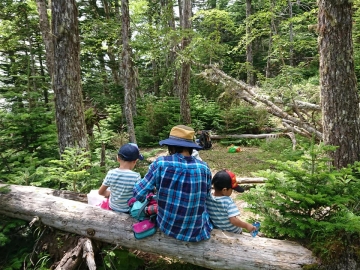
222 251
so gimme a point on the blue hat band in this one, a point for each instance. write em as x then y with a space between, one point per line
180 139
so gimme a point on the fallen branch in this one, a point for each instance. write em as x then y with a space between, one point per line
72 259
88 254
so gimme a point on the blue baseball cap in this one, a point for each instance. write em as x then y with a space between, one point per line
130 152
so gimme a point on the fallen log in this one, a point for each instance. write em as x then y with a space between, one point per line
250 180
245 136
222 251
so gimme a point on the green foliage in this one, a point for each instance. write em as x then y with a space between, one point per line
156 116
27 128
356 38
27 136
71 170
242 142
120 259
167 264
114 121
8 226
16 243
283 147
28 132
205 114
215 28
310 201
242 119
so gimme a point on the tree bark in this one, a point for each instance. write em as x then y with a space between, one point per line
249 52
172 55
45 30
186 66
127 70
254 180
73 258
339 93
291 35
69 108
88 254
222 251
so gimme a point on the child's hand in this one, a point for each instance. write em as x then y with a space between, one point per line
255 225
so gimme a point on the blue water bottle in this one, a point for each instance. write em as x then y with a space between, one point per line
255 232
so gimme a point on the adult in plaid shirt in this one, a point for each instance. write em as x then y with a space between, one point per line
182 183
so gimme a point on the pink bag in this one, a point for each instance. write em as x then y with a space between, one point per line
105 204
144 229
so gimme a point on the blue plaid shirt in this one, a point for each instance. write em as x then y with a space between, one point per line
182 184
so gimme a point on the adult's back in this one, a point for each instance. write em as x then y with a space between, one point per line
183 184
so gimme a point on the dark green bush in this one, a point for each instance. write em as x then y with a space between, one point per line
156 117
243 119
17 245
205 114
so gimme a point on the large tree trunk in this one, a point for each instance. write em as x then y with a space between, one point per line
185 66
69 108
339 93
223 251
127 70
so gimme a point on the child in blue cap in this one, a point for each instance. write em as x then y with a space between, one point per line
118 183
